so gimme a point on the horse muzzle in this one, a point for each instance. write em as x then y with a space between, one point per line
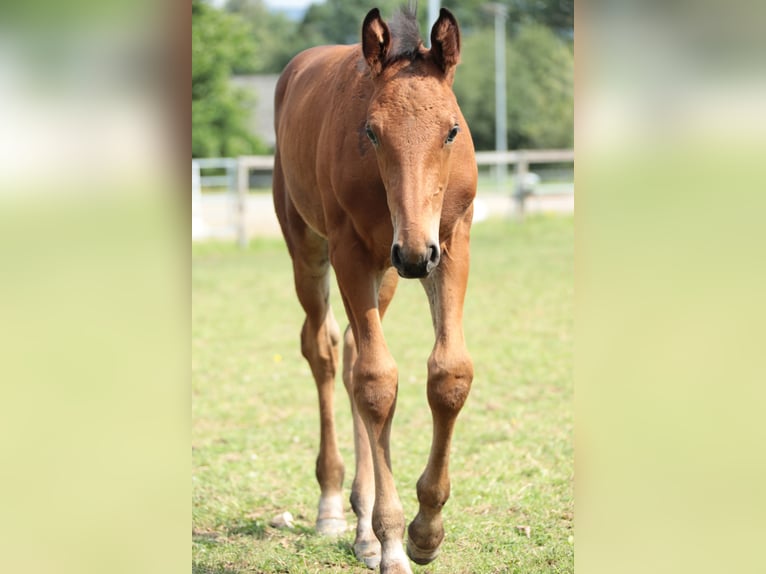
415 264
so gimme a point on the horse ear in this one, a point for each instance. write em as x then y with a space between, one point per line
445 42
376 41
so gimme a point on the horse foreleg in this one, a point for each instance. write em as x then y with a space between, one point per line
366 544
450 373
374 388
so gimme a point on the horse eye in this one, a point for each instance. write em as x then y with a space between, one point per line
452 134
371 135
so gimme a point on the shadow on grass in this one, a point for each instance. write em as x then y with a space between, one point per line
206 539
347 548
250 527
258 529
304 530
200 569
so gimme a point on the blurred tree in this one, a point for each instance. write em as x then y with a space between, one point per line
558 15
540 89
340 21
220 42
475 87
539 58
273 34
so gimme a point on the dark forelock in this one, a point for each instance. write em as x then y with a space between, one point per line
405 33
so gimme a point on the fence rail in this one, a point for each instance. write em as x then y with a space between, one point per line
528 156
238 173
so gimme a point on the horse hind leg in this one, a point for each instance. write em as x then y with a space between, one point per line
366 545
320 338
319 344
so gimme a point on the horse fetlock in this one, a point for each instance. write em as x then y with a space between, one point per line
424 538
393 560
362 508
388 524
331 520
329 471
366 545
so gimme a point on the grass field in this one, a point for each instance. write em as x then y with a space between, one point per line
255 419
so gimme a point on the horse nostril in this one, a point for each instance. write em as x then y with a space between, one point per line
396 256
433 255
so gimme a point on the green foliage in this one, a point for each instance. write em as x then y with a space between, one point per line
558 15
340 21
540 89
273 34
220 42
255 417
475 87
540 61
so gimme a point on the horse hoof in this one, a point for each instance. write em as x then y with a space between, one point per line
368 552
331 526
419 555
371 562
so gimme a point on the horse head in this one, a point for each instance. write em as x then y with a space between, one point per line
413 122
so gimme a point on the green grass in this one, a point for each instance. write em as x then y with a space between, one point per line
255 419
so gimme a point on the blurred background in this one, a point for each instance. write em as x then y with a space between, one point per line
515 86
94 280
241 46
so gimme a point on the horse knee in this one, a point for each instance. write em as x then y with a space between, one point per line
375 387
449 381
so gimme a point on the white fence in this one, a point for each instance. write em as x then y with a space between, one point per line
237 176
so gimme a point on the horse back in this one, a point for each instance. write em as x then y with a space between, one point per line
320 104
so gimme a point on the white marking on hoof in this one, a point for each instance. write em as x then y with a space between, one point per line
419 555
331 526
393 560
368 551
330 518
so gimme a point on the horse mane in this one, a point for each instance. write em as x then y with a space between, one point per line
405 34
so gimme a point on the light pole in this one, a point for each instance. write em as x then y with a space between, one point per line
433 14
500 11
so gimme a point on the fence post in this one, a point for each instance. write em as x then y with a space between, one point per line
243 186
196 187
520 192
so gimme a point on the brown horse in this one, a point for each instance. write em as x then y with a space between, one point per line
375 174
